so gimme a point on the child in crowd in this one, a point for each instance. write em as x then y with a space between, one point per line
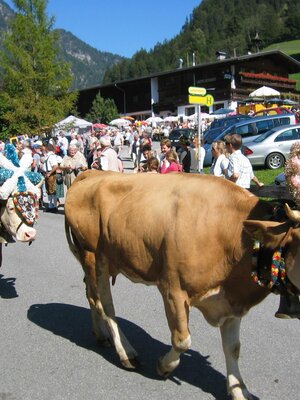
171 163
152 165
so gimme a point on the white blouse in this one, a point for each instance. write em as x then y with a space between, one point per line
219 166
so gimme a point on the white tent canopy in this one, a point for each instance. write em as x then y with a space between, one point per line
152 120
264 91
120 122
171 118
194 117
71 122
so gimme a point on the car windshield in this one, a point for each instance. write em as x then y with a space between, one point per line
212 136
175 135
263 136
216 123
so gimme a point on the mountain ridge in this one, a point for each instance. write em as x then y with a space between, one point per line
224 25
88 64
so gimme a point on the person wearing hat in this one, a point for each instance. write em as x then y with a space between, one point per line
107 157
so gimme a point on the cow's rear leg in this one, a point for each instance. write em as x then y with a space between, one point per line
100 329
230 332
105 307
99 326
177 312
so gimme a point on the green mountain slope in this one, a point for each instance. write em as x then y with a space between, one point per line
232 26
291 48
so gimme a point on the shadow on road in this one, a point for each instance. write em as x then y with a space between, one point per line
7 288
73 323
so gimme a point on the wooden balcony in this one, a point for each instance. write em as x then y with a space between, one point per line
276 85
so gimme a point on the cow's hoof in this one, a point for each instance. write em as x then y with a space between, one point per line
131 363
161 373
241 394
247 395
162 370
242 397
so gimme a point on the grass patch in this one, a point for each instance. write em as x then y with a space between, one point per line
290 47
267 176
297 78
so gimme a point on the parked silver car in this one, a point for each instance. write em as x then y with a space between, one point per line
272 148
249 130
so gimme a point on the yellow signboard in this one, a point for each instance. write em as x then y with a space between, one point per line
207 100
198 91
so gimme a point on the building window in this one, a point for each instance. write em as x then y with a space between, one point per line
189 111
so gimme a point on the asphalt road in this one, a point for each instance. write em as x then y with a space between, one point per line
48 352
127 163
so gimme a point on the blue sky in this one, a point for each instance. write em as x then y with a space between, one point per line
121 26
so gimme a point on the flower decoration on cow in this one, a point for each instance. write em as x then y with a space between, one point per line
292 172
21 184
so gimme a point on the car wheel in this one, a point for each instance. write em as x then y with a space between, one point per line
275 161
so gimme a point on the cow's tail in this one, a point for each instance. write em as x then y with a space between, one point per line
72 241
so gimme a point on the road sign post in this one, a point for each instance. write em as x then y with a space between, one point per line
199 138
198 96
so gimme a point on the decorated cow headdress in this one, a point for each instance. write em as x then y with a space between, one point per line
20 184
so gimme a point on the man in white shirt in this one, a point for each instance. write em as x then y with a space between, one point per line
118 141
63 143
26 159
239 169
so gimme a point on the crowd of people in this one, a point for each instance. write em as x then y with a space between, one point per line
63 157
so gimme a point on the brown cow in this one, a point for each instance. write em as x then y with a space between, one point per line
191 236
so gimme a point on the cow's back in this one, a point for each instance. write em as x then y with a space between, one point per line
149 224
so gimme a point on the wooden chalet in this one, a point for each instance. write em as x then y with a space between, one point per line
229 80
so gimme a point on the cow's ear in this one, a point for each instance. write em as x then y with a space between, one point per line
268 232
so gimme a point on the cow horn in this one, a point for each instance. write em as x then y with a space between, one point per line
293 215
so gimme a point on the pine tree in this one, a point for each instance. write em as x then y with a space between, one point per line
102 110
36 83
